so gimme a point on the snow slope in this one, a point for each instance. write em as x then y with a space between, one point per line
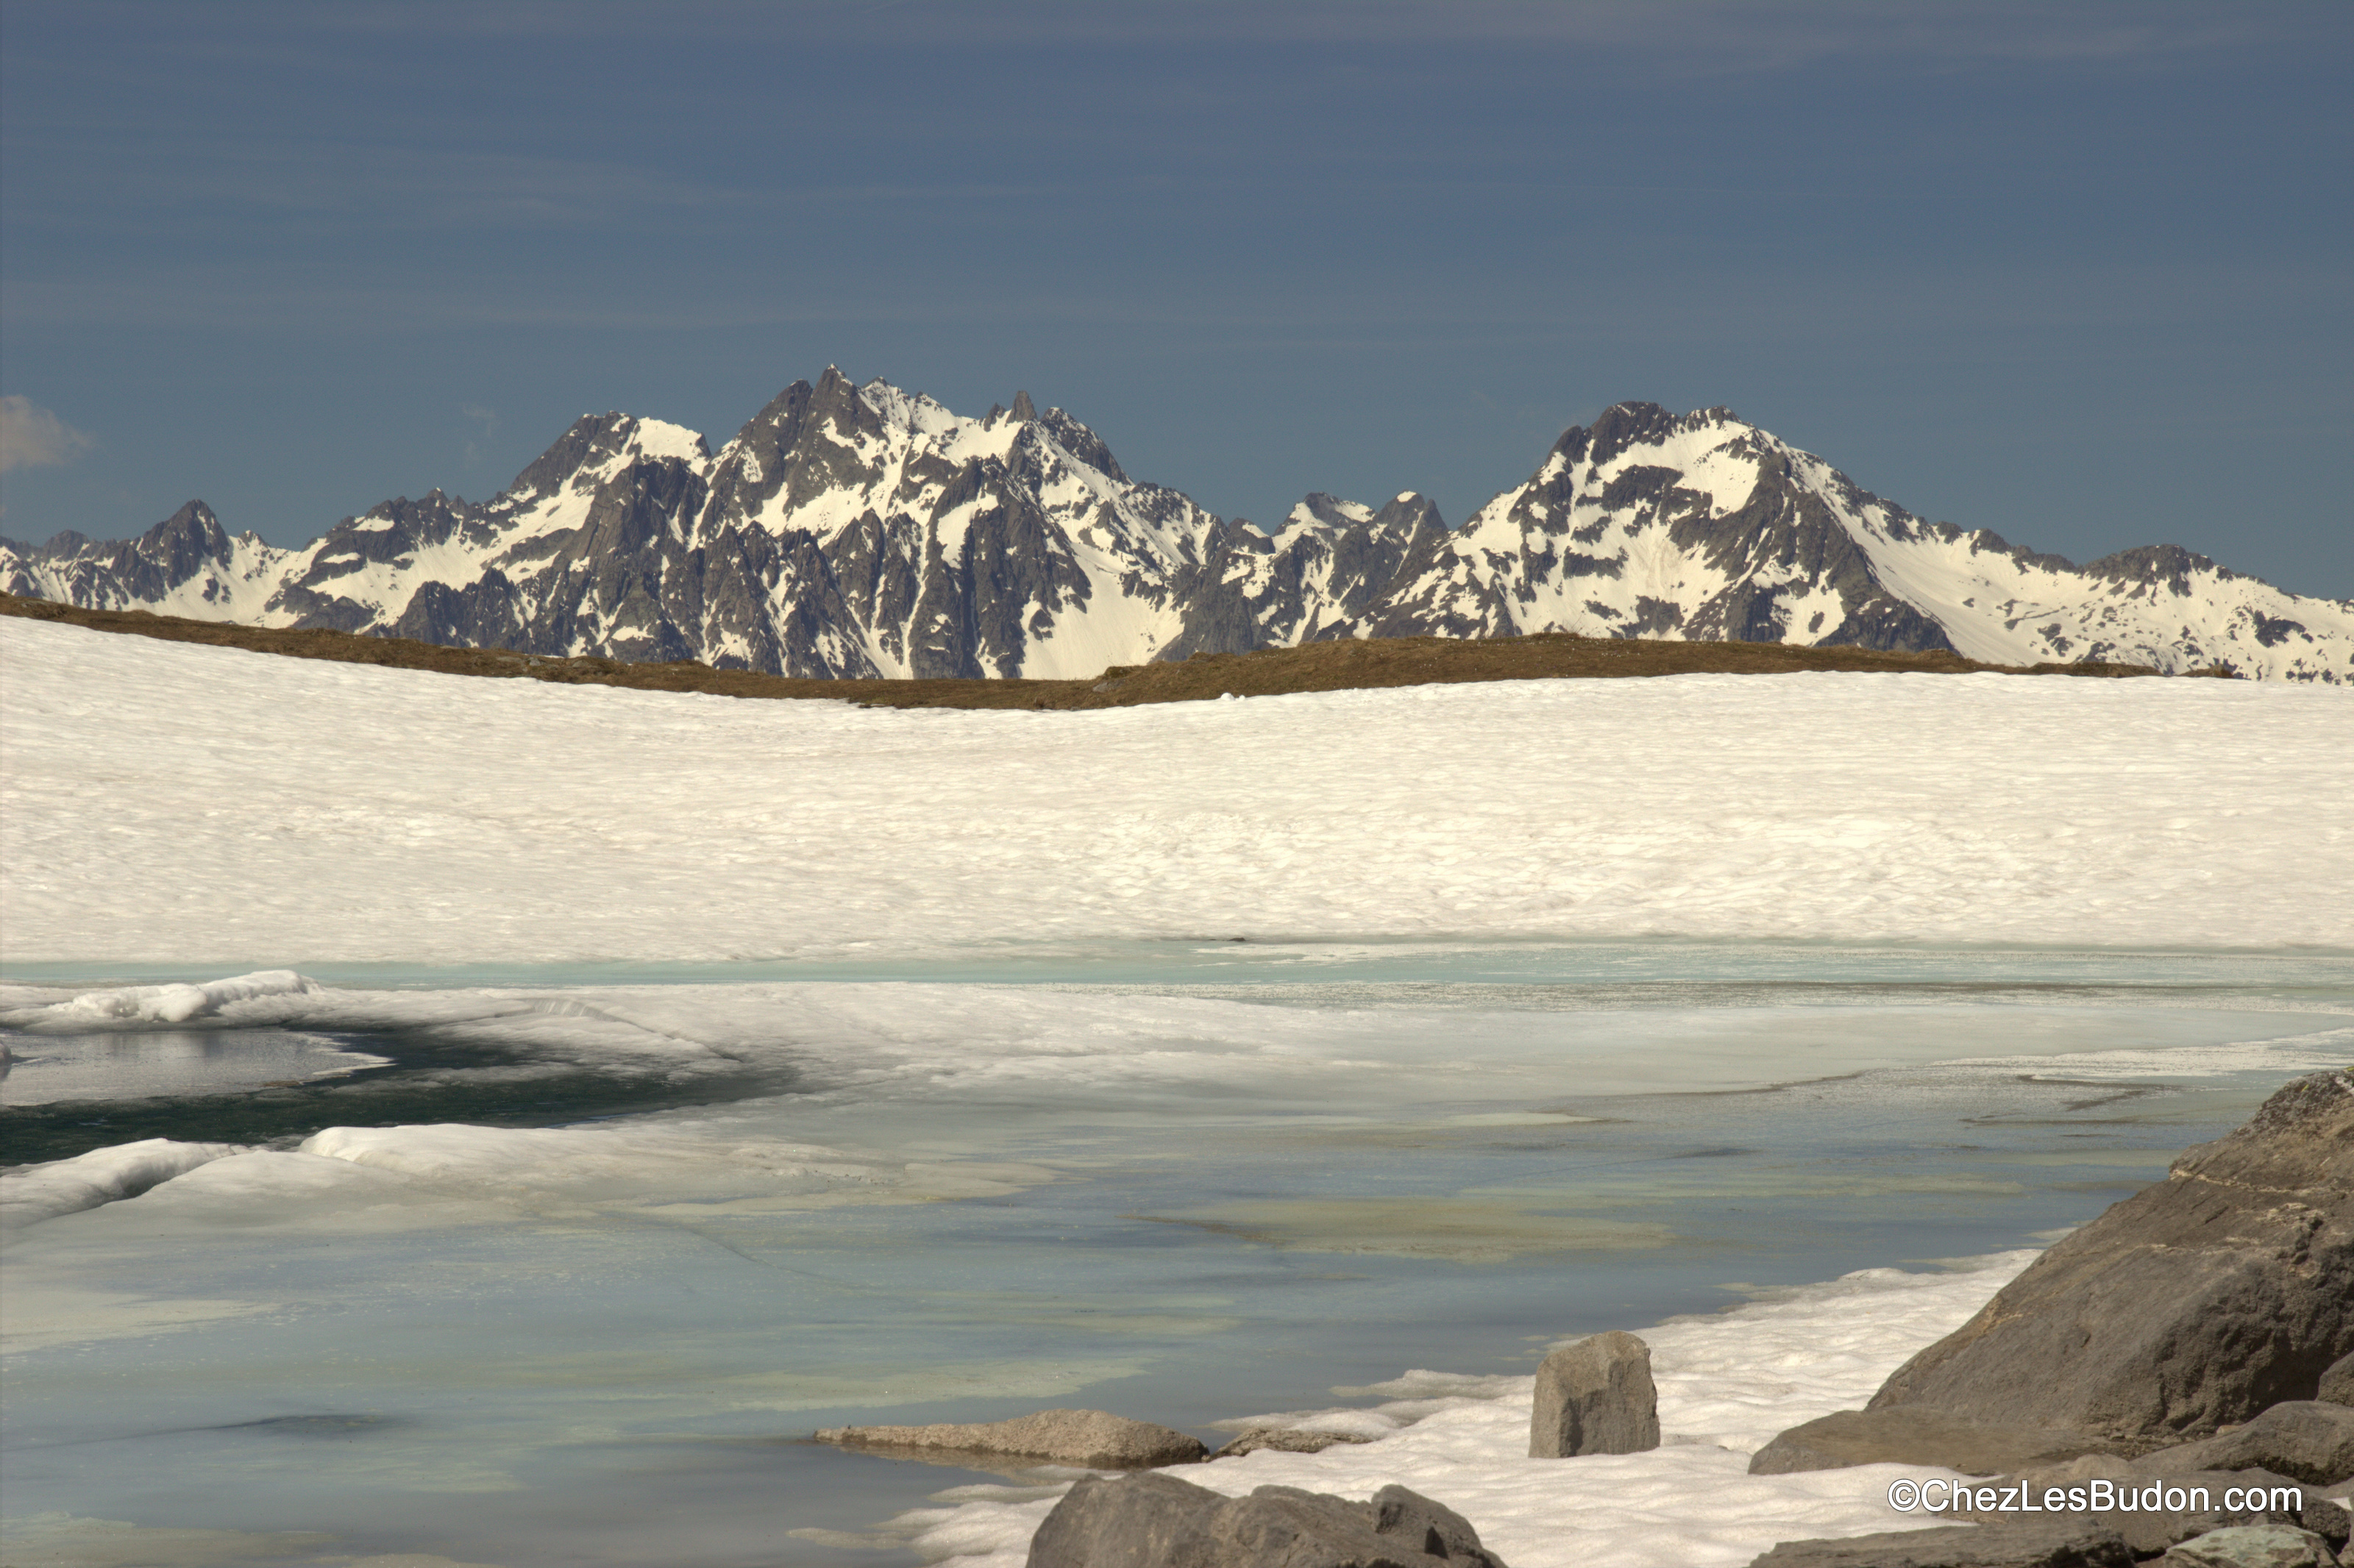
861 531
361 813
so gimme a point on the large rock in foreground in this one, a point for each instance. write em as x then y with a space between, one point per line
2193 1305
2308 1439
2252 1546
1092 1438
2338 1382
1160 1522
1595 1396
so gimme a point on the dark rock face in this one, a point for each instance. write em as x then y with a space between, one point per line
2169 566
2196 1304
122 574
1596 1397
1158 1521
2038 1545
848 530
1916 1436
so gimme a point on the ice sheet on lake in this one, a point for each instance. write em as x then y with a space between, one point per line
419 818
348 1179
1026 1043
158 1005
895 1092
39 1193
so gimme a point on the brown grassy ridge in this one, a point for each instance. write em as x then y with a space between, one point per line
1267 672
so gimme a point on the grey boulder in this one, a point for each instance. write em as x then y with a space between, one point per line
2309 1439
1094 1439
2252 1546
2336 1383
2192 1306
1160 1522
2038 1543
1909 1436
1595 1396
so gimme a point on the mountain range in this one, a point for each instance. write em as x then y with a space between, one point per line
851 531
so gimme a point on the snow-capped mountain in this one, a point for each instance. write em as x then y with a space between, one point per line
859 531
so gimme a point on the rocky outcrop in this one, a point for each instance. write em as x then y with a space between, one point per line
1595 1396
1160 1522
1283 1440
2196 1304
2309 1439
1091 1439
2252 1546
2337 1384
1915 1437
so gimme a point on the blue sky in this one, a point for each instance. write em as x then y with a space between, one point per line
2077 273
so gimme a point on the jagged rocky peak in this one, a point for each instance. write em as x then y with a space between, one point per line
1623 426
599 442
2168 566
1080 442
1318 510
850 530
185 540
63 543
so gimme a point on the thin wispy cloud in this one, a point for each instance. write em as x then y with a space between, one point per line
487 421
32 437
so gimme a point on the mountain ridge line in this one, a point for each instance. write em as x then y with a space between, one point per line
863 531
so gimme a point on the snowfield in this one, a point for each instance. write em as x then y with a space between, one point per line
168 803
163 804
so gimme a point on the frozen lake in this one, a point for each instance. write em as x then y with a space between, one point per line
599 1338
500 1124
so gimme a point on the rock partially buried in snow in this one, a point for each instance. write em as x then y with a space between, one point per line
2252 1546
2193 1305
1595 1396
1903 1436
1094 1439
1160 1522
2011 1544
1284 1440
2307 1438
